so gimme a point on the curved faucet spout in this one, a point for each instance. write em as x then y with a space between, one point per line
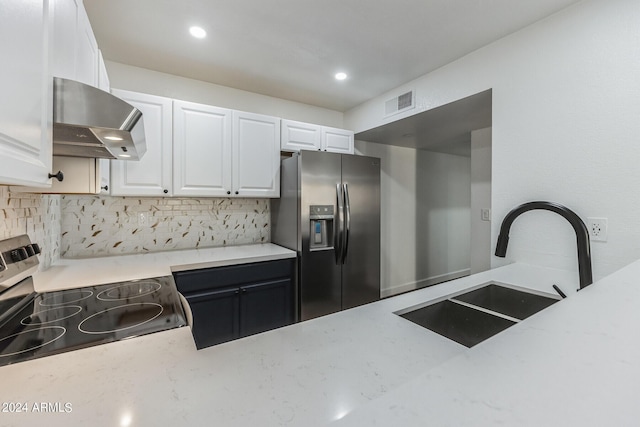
582 235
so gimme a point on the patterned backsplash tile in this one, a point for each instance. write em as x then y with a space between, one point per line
36 215
102 225
86 226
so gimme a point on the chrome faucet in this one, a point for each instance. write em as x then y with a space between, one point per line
582 235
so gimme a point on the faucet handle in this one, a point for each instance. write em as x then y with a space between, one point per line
559 291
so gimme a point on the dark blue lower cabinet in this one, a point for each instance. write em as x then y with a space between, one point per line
216 316
265 306
236 301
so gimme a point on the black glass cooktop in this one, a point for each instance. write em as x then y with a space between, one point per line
55 322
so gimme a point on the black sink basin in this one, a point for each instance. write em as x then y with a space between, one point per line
473 316
509 301
462 324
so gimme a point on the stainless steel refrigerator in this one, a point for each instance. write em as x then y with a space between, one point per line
329 212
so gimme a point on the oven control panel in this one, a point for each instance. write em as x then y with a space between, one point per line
18 257
24 252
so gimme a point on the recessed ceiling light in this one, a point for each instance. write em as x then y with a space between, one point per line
198 32
341 76
113 138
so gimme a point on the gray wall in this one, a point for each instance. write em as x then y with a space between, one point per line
425 216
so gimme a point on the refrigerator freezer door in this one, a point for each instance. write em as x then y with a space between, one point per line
346 223
361 269
320 290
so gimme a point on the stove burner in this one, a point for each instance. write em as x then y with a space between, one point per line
31 325
120 318
129 291
51 315
30 340
67 297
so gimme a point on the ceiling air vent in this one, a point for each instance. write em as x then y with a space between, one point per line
401 103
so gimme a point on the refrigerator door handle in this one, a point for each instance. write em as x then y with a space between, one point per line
347 222
338 232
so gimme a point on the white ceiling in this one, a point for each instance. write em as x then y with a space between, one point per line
291 49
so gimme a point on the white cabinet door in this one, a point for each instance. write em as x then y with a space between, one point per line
26 88
298 136
87 55
256 155
65 35
151 176
75 51
337 140
201 150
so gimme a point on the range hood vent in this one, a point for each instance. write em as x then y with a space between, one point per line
89 122
401 103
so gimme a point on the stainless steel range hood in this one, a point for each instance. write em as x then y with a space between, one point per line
89 122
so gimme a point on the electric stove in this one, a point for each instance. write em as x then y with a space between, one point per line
34 325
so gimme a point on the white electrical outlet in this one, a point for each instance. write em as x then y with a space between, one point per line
485 214
597 229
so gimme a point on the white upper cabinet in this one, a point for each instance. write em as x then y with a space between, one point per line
337 140
298 136
223 153
65 34
201 150
198 150
27 92
87 54
75 51
256 155
151 176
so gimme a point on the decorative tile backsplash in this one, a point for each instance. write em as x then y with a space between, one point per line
36 215
85 226
101 225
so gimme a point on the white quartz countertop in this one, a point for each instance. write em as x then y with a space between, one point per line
575 363
74 273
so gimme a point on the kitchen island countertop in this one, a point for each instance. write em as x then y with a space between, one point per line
575 363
